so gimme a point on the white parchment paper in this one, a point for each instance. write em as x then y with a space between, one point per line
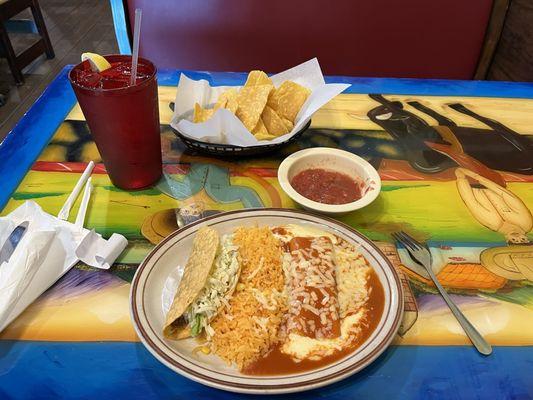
225 128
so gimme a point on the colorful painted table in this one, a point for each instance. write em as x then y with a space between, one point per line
77 341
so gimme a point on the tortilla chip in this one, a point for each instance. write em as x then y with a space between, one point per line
228 100
288 99
264 136
260 128
252 101
288 124
195 273
221 102
274 124
201 114
256 78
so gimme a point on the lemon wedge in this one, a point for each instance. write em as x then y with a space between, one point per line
98 62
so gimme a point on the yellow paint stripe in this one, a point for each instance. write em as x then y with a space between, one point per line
348 111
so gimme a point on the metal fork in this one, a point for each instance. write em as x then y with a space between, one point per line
421 254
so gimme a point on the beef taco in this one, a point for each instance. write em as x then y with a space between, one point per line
208 281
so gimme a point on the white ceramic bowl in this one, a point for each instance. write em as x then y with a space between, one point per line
331 159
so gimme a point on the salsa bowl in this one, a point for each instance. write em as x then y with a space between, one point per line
332 160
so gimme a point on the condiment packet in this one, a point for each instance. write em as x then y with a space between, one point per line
225 128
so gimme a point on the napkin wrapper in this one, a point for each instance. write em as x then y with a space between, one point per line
48 249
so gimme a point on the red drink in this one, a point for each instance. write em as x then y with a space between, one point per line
123 119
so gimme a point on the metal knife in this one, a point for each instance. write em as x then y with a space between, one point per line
12 241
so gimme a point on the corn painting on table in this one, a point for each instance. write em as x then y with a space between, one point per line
455 159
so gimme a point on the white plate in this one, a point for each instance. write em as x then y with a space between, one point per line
157 278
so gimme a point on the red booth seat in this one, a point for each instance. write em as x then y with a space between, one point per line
386 38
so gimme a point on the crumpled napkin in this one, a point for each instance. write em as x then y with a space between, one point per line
225 128
48 249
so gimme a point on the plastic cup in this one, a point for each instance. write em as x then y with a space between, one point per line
124 123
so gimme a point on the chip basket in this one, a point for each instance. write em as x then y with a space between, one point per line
228 150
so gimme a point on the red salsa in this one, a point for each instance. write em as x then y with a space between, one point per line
326 186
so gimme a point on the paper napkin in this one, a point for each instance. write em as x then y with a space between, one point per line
49 248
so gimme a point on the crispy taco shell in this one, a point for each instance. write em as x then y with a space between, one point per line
194 278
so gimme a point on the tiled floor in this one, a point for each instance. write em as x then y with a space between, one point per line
74 26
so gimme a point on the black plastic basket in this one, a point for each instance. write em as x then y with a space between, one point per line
228 150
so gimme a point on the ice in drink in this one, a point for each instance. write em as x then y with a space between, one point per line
123 119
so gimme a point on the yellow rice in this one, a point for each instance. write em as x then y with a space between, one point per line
248 329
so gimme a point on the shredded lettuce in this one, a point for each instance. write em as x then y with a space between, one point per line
218 289
196 325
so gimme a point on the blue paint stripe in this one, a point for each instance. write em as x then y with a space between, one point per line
22 146
113 370
437 87
121 29
430 87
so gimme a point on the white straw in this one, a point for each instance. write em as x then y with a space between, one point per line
65 210
80 218
136 35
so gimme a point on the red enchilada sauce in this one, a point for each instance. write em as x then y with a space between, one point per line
326 186
276 362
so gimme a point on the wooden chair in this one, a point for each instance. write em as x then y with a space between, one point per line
8 9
